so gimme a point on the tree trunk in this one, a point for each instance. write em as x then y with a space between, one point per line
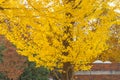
68 72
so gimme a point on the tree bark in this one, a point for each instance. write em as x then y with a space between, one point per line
68 71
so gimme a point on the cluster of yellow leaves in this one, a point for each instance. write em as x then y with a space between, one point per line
113 52
53 32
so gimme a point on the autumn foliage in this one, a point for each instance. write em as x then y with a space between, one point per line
113 52
62 34
12 64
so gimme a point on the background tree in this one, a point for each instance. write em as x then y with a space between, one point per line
16 67
33 73
13 64
2 48
3 77
63 34
113 52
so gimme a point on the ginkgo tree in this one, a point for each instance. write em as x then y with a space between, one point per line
59 34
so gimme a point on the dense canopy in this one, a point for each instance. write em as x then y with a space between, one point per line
52 33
